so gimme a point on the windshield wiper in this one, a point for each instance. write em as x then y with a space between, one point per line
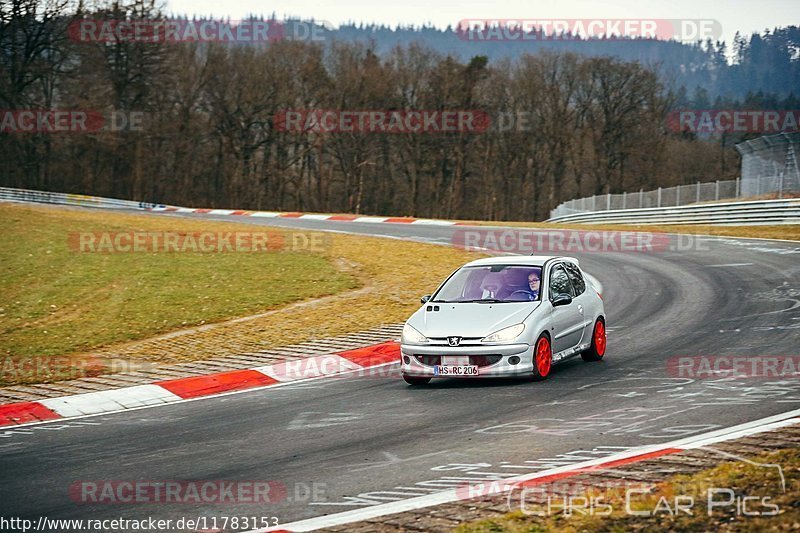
485 301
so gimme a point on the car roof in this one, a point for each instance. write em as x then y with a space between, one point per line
532 260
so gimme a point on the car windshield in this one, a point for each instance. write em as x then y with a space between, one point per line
492 284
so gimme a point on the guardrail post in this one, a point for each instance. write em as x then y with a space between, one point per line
641 198
659 197
738 186
758 185
698 192
678 196
594 202
716 192
780 188
608 201
624 200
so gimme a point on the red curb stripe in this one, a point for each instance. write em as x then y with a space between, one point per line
347 218
215 383
378 354
240 213
400 220
202 211
20 413
602 466
170 209
291 215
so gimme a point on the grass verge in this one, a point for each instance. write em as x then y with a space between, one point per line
60 302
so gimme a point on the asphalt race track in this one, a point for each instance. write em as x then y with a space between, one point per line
341 444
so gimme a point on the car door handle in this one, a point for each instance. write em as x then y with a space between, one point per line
580 308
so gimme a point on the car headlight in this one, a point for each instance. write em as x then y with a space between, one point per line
410 335
506 334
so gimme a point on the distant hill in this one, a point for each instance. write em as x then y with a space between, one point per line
768 62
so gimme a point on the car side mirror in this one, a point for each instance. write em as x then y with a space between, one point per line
562 299
425 298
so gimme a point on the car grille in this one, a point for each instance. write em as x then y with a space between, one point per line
477 360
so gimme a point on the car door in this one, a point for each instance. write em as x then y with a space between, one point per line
582 299
567 320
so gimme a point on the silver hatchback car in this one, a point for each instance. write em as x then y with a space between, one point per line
504 316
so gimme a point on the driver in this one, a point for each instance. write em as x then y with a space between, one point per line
533 284
519 285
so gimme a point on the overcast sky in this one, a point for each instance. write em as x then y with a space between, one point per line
745 16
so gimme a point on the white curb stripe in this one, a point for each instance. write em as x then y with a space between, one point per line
433 222
267 214
315 217
371 219
119 409
110 400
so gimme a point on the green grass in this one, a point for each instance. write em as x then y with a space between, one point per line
55 300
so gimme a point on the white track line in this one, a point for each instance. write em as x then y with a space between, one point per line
453 495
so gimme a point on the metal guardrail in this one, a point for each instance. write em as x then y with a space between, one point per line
730 213
733 213
44 197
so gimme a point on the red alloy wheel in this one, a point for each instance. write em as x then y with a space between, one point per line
600 338
543 357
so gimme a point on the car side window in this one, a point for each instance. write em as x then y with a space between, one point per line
576 278
559 282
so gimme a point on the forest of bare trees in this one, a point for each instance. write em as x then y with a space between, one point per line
208 137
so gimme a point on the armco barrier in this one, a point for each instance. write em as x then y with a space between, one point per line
44 197
733 213
24 195
763 212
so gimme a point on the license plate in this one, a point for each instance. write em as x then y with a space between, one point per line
455 370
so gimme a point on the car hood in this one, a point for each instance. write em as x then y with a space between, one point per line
469 319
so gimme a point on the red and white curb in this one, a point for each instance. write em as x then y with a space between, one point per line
305 216
545 476
176 390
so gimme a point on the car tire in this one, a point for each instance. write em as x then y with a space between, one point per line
542 357
598 348
413 380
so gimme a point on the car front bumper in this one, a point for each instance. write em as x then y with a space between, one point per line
411 366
